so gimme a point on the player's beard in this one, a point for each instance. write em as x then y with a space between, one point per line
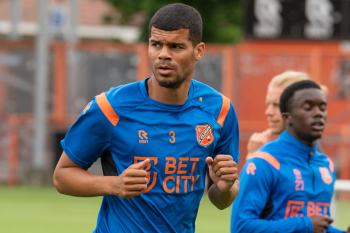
180 78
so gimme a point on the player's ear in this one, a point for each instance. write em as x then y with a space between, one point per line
286 118
199 51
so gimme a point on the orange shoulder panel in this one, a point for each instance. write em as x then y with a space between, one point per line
267 157
224 110
107 109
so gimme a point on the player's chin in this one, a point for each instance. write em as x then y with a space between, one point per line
312 136
164 75
277 129
317 134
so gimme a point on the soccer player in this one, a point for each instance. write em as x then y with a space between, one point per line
287 185
272 112
156 139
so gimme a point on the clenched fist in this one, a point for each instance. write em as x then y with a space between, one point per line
223 171
132 181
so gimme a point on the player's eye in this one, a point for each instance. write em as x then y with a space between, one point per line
307 107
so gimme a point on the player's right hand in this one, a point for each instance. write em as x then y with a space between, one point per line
132 181
320 223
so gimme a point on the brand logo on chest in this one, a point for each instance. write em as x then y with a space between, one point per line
204 134
143 136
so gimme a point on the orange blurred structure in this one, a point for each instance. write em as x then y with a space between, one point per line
243 75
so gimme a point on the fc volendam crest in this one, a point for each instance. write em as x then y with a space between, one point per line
326 176
204 134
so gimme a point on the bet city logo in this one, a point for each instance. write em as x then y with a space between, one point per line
178 178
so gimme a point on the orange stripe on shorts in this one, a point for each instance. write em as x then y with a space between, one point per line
267 157
107 109
224 110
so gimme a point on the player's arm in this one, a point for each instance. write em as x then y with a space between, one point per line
331 167
73 179
332 229
256 182
223 185
88 138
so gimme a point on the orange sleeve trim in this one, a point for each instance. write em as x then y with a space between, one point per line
224 110
107 109
267 157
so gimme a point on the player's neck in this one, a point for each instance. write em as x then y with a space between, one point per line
301 139
168 95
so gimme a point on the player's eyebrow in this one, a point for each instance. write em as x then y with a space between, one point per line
307 101
174 43
155 41
168 43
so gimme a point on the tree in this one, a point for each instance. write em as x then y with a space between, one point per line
221 18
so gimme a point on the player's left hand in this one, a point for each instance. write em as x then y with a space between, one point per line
223 171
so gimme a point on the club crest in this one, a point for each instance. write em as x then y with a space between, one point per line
204 134
326 176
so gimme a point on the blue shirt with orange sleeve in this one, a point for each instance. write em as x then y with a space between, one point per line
125 126
281 186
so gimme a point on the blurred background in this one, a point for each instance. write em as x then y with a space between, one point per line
55 55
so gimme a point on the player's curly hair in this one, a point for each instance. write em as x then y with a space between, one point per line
177 16
288 93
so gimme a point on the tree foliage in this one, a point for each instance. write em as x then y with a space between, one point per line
221 18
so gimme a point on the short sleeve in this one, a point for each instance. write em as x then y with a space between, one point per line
89 136
229 138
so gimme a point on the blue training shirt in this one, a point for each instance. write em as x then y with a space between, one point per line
125 126
283 184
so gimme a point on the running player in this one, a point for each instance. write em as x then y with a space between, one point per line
287 185
272 112
156 139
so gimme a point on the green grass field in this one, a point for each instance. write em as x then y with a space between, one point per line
43 210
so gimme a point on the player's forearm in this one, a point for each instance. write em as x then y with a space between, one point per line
289 225
80 183
220 199
331 229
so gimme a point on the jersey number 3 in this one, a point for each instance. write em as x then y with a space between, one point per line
172 134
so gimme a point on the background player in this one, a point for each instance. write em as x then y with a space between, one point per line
156 139
272 112
287 185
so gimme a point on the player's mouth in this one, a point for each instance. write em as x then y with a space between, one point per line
164 70
273 123
318 126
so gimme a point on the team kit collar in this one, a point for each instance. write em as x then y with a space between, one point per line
300 149
176 107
